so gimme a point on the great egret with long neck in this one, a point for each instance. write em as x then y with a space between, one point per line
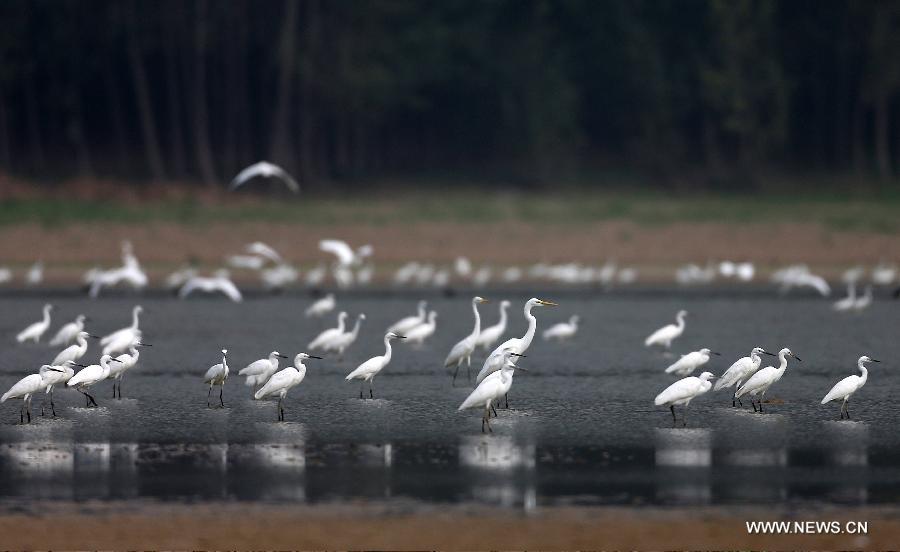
462 351
761 381
845 388
405 324
493 387
490 335
517 345
367 371
34 331
328 335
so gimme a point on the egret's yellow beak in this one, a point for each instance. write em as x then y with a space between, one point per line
548 303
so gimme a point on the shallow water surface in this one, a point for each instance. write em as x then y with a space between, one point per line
582 428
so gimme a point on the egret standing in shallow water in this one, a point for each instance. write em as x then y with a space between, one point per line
34 331
126 335
517 345
738 372
562 330
216 375
73 352
462 351
422 332
282 382
665 335
367 371
845 388
492 388
324 338
686 365
682 392
405 324
340 343
127 361
761 381
89 375
26 387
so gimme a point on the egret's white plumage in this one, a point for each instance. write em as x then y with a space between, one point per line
216 375
133 331
665 335
90 375
26 387
282 382
562 330
742 369
34 331
126 361
67 334
367 371
845 388
219 282
403 325
328 335
683 391
259 371
516 345
340 343
422 332
73 352
322 306
264 169
493 387
686 365
761 381
462 351
490 335
847 302
60 376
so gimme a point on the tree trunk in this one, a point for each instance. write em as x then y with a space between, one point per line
201 116
281 146
881 129
173 94
145 106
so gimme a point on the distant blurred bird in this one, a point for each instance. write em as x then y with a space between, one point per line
685 365
322 306
220 282
405 324
5 275
34 331
562 330
489 336
67 334
420 333
665 335
35 274
264 169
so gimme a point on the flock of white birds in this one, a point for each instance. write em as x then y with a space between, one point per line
120 352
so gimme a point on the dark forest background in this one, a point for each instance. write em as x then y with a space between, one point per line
527 91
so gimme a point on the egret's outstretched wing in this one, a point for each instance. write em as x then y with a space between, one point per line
268 170
339 249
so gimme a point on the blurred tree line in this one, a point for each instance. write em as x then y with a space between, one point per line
526 90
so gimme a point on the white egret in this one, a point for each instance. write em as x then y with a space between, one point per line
219 282
245 262
405 324
682 392
517 345
6 275
367 371
493 387
761 381
328 335
665 335
343 341
686 365
847 302
73 352
89 375
282 382
344 254
490 335
265 250
864 300
177 279
278 277
264 169
60 377
462 351
422 332
845 388
740 371
67 334
35 274
562 330
322 306
259 371
463 268
315 276
216 375
34 331
132 331
127 361
884 274
26 387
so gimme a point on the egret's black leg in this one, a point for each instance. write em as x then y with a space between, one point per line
114 389
52 406
91 398
494 410
739 402
753 404
506 397
848 409
482 423
28 412
455 372
221 392
672 408
22 415
371 395
208 394
42 409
